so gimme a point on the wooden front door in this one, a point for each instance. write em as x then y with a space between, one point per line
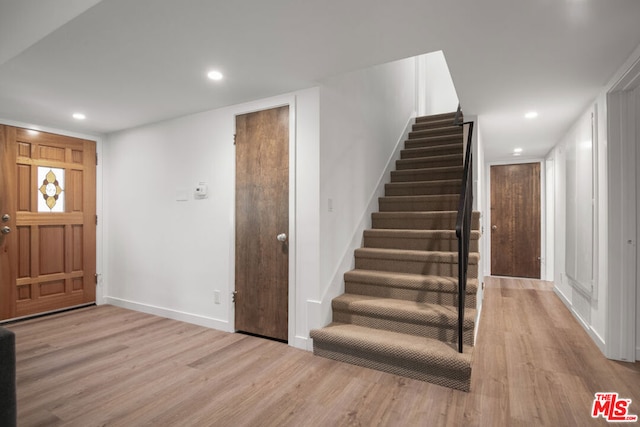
48 222
515 220
262 223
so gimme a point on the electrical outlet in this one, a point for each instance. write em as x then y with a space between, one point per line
216 297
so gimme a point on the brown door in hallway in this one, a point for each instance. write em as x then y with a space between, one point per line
515 220
262 223
47 222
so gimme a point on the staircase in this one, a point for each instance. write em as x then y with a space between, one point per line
399 310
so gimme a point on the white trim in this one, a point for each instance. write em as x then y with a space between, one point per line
301 343
486 232
597 339
622 275
550 225
290 101
315 310
196 319
477 324
621 301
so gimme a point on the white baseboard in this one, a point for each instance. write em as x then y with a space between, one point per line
477 324
196 319
302 343
597 339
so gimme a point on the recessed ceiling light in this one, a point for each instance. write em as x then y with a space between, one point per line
517 150
215 75
79 116
531 115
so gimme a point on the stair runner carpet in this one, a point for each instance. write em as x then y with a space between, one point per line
399 310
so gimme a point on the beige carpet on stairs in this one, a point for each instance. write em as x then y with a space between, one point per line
399 310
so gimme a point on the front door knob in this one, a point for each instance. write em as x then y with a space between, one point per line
281 237
6 218
5 230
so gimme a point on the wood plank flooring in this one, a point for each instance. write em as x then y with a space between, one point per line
533 365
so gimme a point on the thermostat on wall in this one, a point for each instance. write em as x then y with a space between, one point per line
201 191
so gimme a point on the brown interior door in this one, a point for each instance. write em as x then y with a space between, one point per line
515 220
262 223
48 222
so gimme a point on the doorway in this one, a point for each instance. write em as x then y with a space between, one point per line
262 223
47 222
515 220
623 197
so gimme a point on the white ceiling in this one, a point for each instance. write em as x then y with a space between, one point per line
126 63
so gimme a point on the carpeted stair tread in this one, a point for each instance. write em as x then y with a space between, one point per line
411 287
402 310
414 255
421 203
434 117
440 131
416 262
433 124
422 240
418 234
430 161
417 240
427 174
415 357
432 141
435 150
442 220
409 281
417 188
395 344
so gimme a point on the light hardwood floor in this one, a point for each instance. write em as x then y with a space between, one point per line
533 365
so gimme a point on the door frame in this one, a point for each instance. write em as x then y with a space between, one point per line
252 108
623 180
486 232
102 280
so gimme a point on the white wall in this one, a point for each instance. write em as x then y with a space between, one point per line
168 257
439 93
602 313
588 308
363 118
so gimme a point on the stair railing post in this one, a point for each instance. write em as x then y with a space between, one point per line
463 225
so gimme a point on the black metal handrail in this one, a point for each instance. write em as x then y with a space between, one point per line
463 224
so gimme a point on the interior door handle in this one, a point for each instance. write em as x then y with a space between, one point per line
494 227
5 230
282 237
